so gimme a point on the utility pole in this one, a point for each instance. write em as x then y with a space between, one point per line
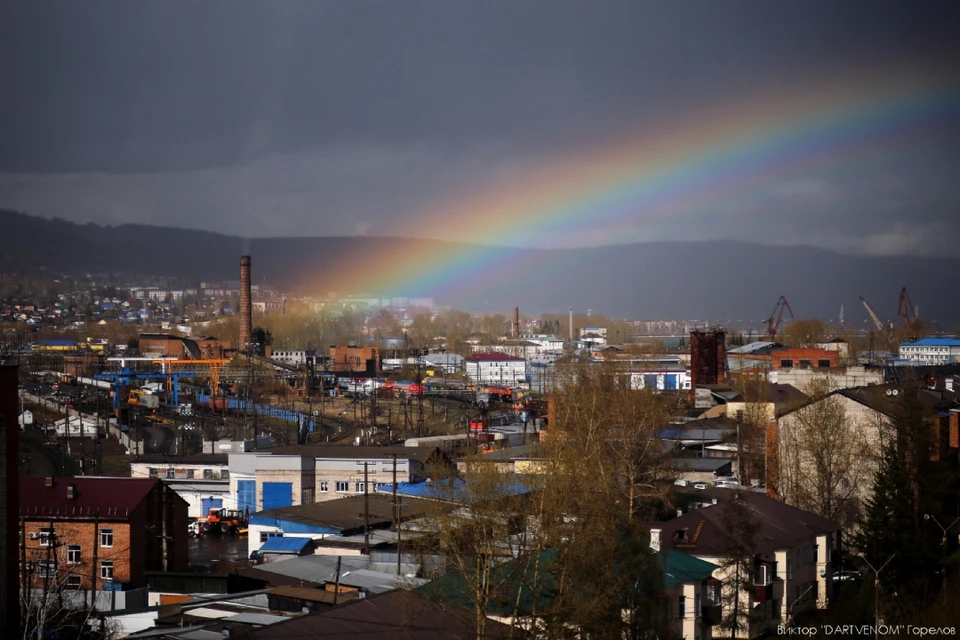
876 594
396 509
943 550
366 507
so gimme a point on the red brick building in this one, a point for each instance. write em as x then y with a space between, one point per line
79 533
354 359
810 358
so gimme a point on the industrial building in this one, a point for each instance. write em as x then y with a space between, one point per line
931 351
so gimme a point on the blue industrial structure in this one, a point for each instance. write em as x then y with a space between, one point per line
303 420
128 377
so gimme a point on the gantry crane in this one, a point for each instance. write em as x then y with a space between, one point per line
773 322
198 367
128 377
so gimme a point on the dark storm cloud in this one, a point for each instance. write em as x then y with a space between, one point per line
344 117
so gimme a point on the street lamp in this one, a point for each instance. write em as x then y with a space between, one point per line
943 550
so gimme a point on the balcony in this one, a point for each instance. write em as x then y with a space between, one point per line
710 613
762 592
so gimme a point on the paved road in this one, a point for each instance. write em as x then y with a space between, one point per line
211 549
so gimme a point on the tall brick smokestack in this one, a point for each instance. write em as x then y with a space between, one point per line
516 322
246 311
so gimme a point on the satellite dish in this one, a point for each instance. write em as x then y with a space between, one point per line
889 392
896 391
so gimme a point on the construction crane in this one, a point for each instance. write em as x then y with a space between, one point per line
773 322
872 315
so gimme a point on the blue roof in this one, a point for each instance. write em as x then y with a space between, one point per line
58 343
934 342
281 544
455 491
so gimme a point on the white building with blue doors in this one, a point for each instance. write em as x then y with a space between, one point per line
305 474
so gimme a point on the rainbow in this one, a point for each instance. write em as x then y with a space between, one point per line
661 175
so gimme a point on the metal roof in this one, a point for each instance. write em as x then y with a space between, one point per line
281 544
111 498
261 619
933 342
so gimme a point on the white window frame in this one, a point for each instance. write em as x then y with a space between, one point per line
106 534
266 535
73 554
106 570
361 486
44 534
324 486
343 486
766 577
74 582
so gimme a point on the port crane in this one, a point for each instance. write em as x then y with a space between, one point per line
773 322
873 316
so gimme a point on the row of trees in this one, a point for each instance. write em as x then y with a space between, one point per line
560 550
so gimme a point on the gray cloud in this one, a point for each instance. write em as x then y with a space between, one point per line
330 118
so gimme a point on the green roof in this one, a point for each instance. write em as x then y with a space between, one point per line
680 567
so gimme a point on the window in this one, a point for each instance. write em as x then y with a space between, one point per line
46 569
171 473
682 607
73 582
225 474
324 486
153 472
266 535
106 537
343 486
361 486
786 363
823 364
804 364
208 474
190 474
106 570
73 554
765 574
45 534
696 607
789 569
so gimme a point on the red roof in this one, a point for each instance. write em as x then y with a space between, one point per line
112 498
493 356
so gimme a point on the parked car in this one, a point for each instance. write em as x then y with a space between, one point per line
847 575
257 556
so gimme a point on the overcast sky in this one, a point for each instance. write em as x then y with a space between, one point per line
339 118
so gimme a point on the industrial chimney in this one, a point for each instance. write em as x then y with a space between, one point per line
516 322
571 324
246 313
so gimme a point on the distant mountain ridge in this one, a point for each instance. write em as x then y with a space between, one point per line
711 281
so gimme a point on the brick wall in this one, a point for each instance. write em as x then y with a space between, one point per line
86 535
797 357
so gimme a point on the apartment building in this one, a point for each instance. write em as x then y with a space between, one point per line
100 533
788 563
931 351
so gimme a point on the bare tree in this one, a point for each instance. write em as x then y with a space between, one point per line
825 459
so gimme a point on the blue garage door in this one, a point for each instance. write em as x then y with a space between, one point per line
211 503
277 494
247 495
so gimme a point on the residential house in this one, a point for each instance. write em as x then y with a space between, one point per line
787 561
101 533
